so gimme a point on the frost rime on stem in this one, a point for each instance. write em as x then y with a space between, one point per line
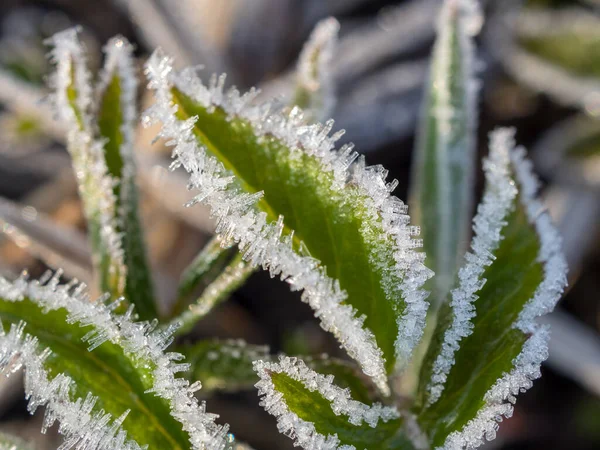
526 366
142 341
81 426
261 242
487 224
94 181
303 432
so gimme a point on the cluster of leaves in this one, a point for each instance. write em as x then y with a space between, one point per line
286 200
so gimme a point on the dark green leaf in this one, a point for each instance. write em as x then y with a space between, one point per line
117 120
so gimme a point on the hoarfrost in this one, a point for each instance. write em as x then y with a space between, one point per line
488 223
261 242
303 432
143 341
526 366
81 426
72 79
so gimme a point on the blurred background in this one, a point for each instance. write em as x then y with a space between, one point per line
540 64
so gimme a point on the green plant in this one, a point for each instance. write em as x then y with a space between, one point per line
285 200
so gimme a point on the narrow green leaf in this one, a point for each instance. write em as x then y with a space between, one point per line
227 282
317 414
314 84
556 52
9 442
223 365
202 271
227 365
120 362
442 187
274 175
73 103
489 347
117 119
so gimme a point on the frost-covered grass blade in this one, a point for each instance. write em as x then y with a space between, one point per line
323 222
317 414
442 187
73 103
9 442
490 348
117 119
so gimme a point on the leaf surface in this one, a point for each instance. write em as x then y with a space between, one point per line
105 372
312 409
117 120
497 347
337 223
442 187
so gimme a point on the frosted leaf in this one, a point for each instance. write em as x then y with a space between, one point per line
143 342
72 99
500 398
442 193
81 427
315 84
526 366
488 223
261 242
303 432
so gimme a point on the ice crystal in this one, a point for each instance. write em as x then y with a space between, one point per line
314 73
73 102
487 225
262 243
500 398
303 432
526 367
82 427
142 341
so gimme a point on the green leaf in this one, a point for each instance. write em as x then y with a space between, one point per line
107 372
227 366
117 120
223 365
311 409
73 103
341 221
488 347
443 178
10 442
227 282
121 363
202 271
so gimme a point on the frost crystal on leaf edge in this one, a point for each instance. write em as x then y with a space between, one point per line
526 366
303 432
261 242
141 340
487 225
94 181
81 427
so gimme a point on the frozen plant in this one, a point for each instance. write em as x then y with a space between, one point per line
285 199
